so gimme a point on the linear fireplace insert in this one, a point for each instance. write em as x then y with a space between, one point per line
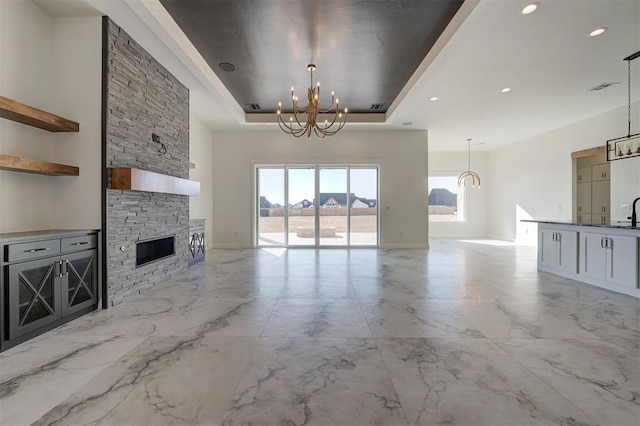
152 250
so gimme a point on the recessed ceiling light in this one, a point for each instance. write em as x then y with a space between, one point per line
506 89
597 31
530 8
434 98
407 123
481 143
227 66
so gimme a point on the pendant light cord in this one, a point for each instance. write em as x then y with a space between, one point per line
629 94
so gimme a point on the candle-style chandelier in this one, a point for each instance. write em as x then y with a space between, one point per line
299 125
469 173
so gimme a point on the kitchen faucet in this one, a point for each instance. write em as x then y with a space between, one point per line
634 217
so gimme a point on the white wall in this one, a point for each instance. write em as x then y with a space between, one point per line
403 178
26 54
53 64
77 71
452 164
201 153
534 177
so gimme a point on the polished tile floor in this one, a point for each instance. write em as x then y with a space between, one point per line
466 333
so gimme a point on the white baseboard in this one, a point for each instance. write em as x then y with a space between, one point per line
233 246
404 246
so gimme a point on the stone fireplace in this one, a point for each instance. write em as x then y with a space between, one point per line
147 127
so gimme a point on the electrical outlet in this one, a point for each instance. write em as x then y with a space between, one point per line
625 206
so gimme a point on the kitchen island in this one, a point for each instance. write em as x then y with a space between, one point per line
602 255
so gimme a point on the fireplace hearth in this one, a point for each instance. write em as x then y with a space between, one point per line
153 250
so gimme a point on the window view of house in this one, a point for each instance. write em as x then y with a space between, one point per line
446 200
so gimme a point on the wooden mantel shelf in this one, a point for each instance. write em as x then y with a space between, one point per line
142 180
25 114
28 165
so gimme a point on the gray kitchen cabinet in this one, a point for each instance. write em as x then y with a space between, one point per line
47 279
609 257
557 249
197 247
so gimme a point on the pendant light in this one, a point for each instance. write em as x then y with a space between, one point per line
627 146
468 173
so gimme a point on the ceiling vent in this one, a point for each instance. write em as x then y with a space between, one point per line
253 107
603 86
377 107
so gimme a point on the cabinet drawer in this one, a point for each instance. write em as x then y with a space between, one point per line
79 243
196 226
33 250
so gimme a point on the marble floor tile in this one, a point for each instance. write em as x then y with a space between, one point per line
242 287
168 380
466 333
317 318
316 382
506 318
471 382
422 318
600 378
337 287
33 380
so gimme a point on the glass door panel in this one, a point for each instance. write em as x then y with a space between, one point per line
333 207
363 223
301 206
271 202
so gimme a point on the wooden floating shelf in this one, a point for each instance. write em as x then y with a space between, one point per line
25 114
27 165
142 180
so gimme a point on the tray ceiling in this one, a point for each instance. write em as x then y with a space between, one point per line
366 51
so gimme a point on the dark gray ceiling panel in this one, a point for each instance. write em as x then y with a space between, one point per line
364 50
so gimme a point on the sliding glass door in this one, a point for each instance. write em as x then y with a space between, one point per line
301 210
333 207
311 206
363 214
271 206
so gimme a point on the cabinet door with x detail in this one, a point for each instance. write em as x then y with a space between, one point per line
79 278
34 295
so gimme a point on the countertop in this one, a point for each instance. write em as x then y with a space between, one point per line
43 234
591 225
